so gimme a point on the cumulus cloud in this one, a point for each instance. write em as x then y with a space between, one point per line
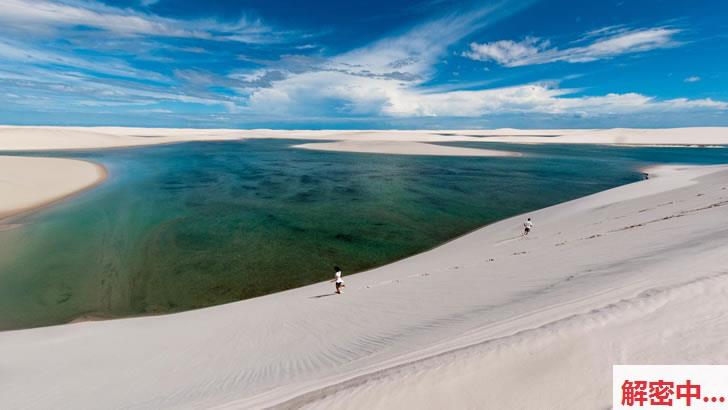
364 96
388 77
363 80
604 44
506 52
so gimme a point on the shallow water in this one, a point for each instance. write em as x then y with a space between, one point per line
183 226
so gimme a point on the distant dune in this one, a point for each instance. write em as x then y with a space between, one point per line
45 138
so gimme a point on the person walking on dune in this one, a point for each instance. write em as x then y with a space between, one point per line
527 226
338 280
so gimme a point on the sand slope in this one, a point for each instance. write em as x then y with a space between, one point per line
636 274
26 182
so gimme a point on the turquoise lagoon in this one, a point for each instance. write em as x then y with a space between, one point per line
184 226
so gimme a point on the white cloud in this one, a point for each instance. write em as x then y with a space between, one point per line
314 93
413 52
57 90
692 79
605 43
309 93
535 98
361 81
387 78
29 55
46 16
371 80
506 52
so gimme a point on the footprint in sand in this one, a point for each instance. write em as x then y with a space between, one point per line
386 282
515 238
519 253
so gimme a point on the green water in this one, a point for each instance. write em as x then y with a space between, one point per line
178 227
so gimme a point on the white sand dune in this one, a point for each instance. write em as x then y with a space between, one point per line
14 138
27 183
636 274
380 141
403 148
618 136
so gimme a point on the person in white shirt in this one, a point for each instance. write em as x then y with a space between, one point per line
527 226
338 280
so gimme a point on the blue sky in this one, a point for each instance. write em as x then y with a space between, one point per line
364 64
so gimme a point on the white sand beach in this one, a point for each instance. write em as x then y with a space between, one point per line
27 183
636 274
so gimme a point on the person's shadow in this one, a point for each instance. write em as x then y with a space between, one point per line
322 296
